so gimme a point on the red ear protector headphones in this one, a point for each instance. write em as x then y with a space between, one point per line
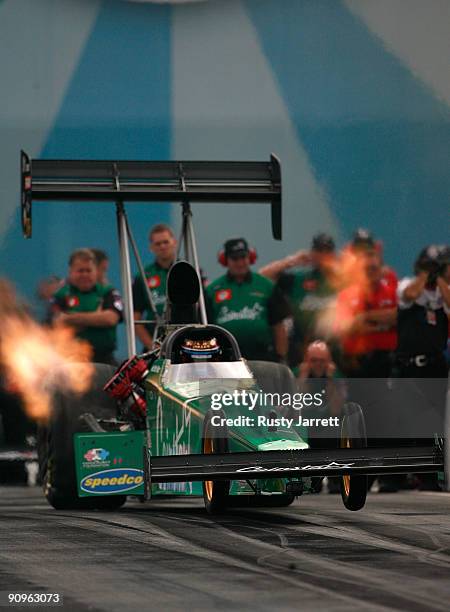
222 259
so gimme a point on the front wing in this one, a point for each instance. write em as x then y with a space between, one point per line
296 463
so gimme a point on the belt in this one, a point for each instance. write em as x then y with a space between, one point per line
420 361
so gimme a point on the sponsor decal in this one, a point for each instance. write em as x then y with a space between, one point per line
245 314
118 480
96 457
154 281
158 299
96 454
328 466
72 301
222 295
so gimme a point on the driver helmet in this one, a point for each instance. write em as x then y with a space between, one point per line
196 351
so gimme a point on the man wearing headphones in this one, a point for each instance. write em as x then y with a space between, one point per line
248 305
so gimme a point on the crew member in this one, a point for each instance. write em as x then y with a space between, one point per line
365 323
309 292
366 314
248 305
93 310
424 304
102 261
163 245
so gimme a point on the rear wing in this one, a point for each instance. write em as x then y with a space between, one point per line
150 181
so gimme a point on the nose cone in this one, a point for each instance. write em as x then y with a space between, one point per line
283 445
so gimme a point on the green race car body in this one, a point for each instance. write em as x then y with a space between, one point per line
179 397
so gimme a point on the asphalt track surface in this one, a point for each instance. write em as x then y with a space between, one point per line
169 555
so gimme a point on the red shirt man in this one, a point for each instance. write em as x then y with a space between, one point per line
366 315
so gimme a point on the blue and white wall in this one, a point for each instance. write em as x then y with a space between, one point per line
353 96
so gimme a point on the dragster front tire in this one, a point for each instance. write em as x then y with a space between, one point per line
353 435
215 440
55 445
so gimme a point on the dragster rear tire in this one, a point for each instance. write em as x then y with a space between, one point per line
353 435
56 450
215 440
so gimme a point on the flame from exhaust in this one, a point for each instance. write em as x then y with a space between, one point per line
349 269
38 361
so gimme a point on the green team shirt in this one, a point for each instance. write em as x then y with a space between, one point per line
70 299
248 310
309 294
156 278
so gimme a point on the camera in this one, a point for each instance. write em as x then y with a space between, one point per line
434 260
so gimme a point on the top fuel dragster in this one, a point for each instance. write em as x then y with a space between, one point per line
149 428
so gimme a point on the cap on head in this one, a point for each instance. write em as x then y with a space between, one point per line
438 254
363 240
236 247
434 252
323 243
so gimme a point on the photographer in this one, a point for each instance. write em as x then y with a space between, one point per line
424 304
318 373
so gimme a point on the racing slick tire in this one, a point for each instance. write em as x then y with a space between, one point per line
215 440
56 450
353 435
